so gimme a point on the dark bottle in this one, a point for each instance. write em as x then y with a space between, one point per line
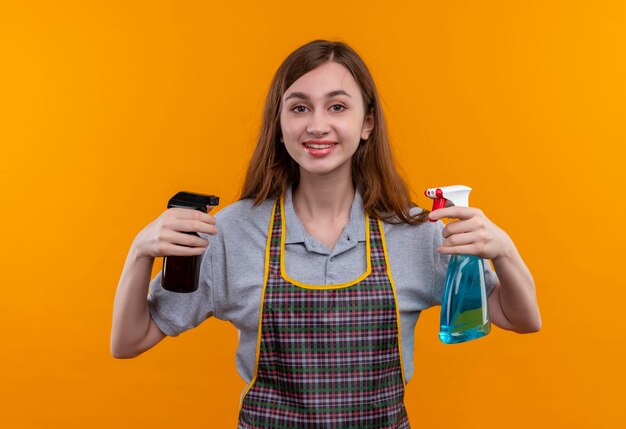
182 273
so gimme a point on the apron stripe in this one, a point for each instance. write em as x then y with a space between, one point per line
283 272
268 248
395 297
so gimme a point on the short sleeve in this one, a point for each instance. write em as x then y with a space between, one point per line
441 268
175 312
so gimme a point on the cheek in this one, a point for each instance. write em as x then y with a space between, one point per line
291 128
351 129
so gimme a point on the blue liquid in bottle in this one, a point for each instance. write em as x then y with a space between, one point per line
464 310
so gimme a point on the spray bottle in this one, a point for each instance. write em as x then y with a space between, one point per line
464 310
182 273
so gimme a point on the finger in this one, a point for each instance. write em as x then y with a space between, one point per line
459 227
169 249
193 214
195 226
183 239
191 221
468 249
452 212
461 239
204 217
459 250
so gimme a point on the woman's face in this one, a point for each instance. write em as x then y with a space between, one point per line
323 119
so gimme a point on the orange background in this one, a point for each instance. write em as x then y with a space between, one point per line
109 108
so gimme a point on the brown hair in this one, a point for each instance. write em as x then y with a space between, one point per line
271 170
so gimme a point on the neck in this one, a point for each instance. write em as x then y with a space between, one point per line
324 198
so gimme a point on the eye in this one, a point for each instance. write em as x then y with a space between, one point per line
337 107
299 109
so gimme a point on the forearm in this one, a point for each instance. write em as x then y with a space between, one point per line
131 317
516 294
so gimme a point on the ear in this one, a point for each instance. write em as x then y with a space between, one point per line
368 125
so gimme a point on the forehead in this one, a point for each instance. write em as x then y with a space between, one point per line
327 78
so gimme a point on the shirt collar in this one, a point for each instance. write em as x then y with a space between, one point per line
296 233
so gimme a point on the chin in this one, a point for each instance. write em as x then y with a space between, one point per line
319 170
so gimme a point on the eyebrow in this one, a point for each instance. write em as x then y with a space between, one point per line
306 97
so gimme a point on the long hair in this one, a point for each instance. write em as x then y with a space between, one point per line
271 170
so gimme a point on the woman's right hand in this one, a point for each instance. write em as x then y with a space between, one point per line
165 236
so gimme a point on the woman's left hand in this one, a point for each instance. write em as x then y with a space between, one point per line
472 234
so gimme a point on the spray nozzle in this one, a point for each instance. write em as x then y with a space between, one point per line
447 196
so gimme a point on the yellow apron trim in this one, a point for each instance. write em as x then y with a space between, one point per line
395 297
265 277
283 272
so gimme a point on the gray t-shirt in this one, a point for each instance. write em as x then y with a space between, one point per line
232 272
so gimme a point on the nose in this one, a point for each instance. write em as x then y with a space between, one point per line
318 125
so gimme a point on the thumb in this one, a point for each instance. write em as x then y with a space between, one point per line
434 215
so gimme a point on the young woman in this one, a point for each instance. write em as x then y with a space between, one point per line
324 265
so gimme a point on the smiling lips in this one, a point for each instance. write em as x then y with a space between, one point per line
319 148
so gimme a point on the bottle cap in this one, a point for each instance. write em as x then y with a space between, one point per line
447 196
190 200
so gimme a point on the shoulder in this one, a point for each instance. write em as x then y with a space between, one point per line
244 209
421 234
242 217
